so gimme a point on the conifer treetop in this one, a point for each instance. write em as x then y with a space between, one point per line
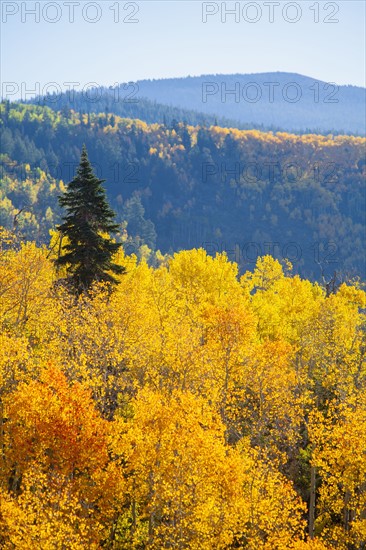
87 224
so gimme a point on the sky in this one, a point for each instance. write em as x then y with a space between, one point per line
106 42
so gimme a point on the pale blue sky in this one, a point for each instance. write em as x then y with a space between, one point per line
171 40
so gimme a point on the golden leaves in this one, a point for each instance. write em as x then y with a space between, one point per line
181 410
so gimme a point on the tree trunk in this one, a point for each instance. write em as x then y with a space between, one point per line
312 501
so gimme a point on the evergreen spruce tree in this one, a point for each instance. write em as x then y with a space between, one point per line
88 253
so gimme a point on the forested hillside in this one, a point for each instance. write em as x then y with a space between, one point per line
191 408
176 186
122 100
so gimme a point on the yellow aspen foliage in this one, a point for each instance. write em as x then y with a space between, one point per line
282 303
228 337
186 488
267 405
338 440
46 515
196 276
54 424
310 544
183 484
56 464
25 281
334 354
275 510
266 274
189 409
16 364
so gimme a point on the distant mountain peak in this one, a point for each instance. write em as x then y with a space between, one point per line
281 99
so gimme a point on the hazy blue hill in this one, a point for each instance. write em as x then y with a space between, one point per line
320 106
208 100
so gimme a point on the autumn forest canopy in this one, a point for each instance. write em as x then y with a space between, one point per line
190 408
182 333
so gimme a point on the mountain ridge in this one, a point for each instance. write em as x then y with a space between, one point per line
318 105
270 101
